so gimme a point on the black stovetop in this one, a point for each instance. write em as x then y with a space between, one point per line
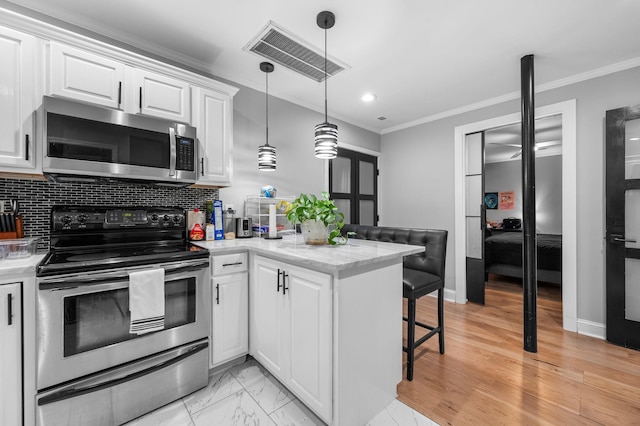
93 238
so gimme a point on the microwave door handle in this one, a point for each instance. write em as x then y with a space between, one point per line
172 159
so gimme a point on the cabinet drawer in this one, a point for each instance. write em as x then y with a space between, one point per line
228 263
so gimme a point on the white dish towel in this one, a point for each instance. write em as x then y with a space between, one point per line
146 301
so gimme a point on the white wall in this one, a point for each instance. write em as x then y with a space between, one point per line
507 175
291 131
419 161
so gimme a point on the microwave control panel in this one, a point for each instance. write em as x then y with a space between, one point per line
185 154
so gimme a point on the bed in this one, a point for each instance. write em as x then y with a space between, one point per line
503 255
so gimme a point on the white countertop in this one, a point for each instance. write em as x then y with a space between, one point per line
355 253
22 266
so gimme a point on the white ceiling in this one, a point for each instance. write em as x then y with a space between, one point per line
421 58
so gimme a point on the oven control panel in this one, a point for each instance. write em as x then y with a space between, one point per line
81 218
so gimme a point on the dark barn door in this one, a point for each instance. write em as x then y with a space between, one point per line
623 226
353 185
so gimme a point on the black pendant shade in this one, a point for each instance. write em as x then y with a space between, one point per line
326 134
266 152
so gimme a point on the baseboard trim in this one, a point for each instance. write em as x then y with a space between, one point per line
592 329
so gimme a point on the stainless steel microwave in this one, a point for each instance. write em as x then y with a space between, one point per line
84 141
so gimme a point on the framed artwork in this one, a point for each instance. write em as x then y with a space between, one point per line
491 200
507 200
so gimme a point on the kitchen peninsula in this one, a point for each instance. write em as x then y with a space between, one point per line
325 320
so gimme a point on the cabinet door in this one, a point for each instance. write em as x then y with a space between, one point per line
17 101
85 76
10 355
212 113
308 340
160 96
230 317
266 316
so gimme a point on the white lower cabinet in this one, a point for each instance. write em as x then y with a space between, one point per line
10 354
229 308
290 323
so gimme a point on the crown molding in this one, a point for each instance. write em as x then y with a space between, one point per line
577 78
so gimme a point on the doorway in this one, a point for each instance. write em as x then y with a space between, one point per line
567 110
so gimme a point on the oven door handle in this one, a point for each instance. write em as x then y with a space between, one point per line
72 282
95 385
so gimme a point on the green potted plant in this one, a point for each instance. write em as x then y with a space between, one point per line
319 218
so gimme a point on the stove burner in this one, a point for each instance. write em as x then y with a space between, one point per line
158 250
87 257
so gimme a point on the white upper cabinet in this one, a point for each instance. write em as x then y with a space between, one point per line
18 92
160 96
101 80
213 118
85 76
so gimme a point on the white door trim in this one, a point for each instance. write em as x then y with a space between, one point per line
569 204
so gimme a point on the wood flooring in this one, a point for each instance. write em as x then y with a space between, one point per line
486 377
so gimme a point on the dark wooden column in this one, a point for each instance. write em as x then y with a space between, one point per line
529 262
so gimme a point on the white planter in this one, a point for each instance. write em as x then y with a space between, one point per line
313 232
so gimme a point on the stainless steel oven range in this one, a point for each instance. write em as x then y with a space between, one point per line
91 368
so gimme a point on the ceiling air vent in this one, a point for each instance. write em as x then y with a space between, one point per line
282 47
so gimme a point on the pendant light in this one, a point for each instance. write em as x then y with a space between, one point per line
266 152
326 146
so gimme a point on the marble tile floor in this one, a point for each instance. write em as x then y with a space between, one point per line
248 395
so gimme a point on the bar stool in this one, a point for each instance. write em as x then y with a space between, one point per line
423 273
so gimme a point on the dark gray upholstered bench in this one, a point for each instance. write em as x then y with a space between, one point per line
423 273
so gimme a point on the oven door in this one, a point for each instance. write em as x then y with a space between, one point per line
84 319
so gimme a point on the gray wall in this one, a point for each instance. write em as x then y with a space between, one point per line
291 131
419 161
507 175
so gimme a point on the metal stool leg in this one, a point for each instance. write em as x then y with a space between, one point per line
441 318
411 336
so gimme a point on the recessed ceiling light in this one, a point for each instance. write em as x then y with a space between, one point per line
634 139
368 97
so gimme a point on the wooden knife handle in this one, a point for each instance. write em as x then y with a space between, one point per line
19 228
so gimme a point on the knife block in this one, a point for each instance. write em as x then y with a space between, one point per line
19 233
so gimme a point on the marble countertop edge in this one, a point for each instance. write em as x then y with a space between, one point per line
356 253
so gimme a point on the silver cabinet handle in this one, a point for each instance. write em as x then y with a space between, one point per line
618 238
232 264
10 308
624 240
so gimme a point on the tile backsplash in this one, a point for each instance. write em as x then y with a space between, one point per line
37 197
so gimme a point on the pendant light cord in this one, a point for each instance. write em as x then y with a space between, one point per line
266 76
326 120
